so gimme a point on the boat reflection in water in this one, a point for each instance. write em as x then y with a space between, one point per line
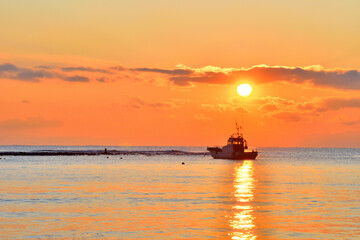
242 219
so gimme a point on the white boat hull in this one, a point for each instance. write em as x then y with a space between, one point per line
233 155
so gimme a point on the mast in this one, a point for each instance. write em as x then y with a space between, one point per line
238 129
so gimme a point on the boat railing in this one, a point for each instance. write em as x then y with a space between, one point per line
214 146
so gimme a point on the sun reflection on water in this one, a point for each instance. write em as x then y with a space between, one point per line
242 219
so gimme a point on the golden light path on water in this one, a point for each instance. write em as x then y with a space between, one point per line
242 219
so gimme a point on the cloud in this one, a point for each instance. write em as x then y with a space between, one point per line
343 79
202 117
119 68
268 107
7 67
141 103
164 71
76 79
316 75
10 71
328 104
288 116
272 104
352 123
83 69
223 107
32 75
102 79
30 123
306 106
291 111
275 101
339 103
44 67
280 108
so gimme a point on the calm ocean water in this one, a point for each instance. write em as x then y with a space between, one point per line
287 193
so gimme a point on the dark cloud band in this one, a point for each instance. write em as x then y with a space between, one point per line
10 71
186 76
342 79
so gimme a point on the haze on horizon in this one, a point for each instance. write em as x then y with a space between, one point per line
166 72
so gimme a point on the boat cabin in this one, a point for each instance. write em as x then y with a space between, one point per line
237 143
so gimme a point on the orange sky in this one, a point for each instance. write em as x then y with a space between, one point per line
165 72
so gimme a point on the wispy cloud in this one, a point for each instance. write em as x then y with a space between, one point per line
352 123
339 103
164 71
10 71
288 116
295 111
287 110
203 118
32 75
223 107
14 124
84 69
7 67
101 79
136 102
76 79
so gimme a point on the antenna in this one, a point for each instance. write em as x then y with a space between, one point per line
242 116
242 119
237 128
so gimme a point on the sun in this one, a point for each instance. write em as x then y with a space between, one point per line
244 90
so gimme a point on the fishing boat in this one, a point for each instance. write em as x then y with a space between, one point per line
236 148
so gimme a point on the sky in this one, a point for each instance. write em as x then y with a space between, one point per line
148 73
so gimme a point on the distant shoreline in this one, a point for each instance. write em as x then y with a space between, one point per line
96 152
155 146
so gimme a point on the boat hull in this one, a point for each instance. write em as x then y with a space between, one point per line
234 155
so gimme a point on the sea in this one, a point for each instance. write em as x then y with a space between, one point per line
286 193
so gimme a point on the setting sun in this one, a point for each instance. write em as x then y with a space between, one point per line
244 90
